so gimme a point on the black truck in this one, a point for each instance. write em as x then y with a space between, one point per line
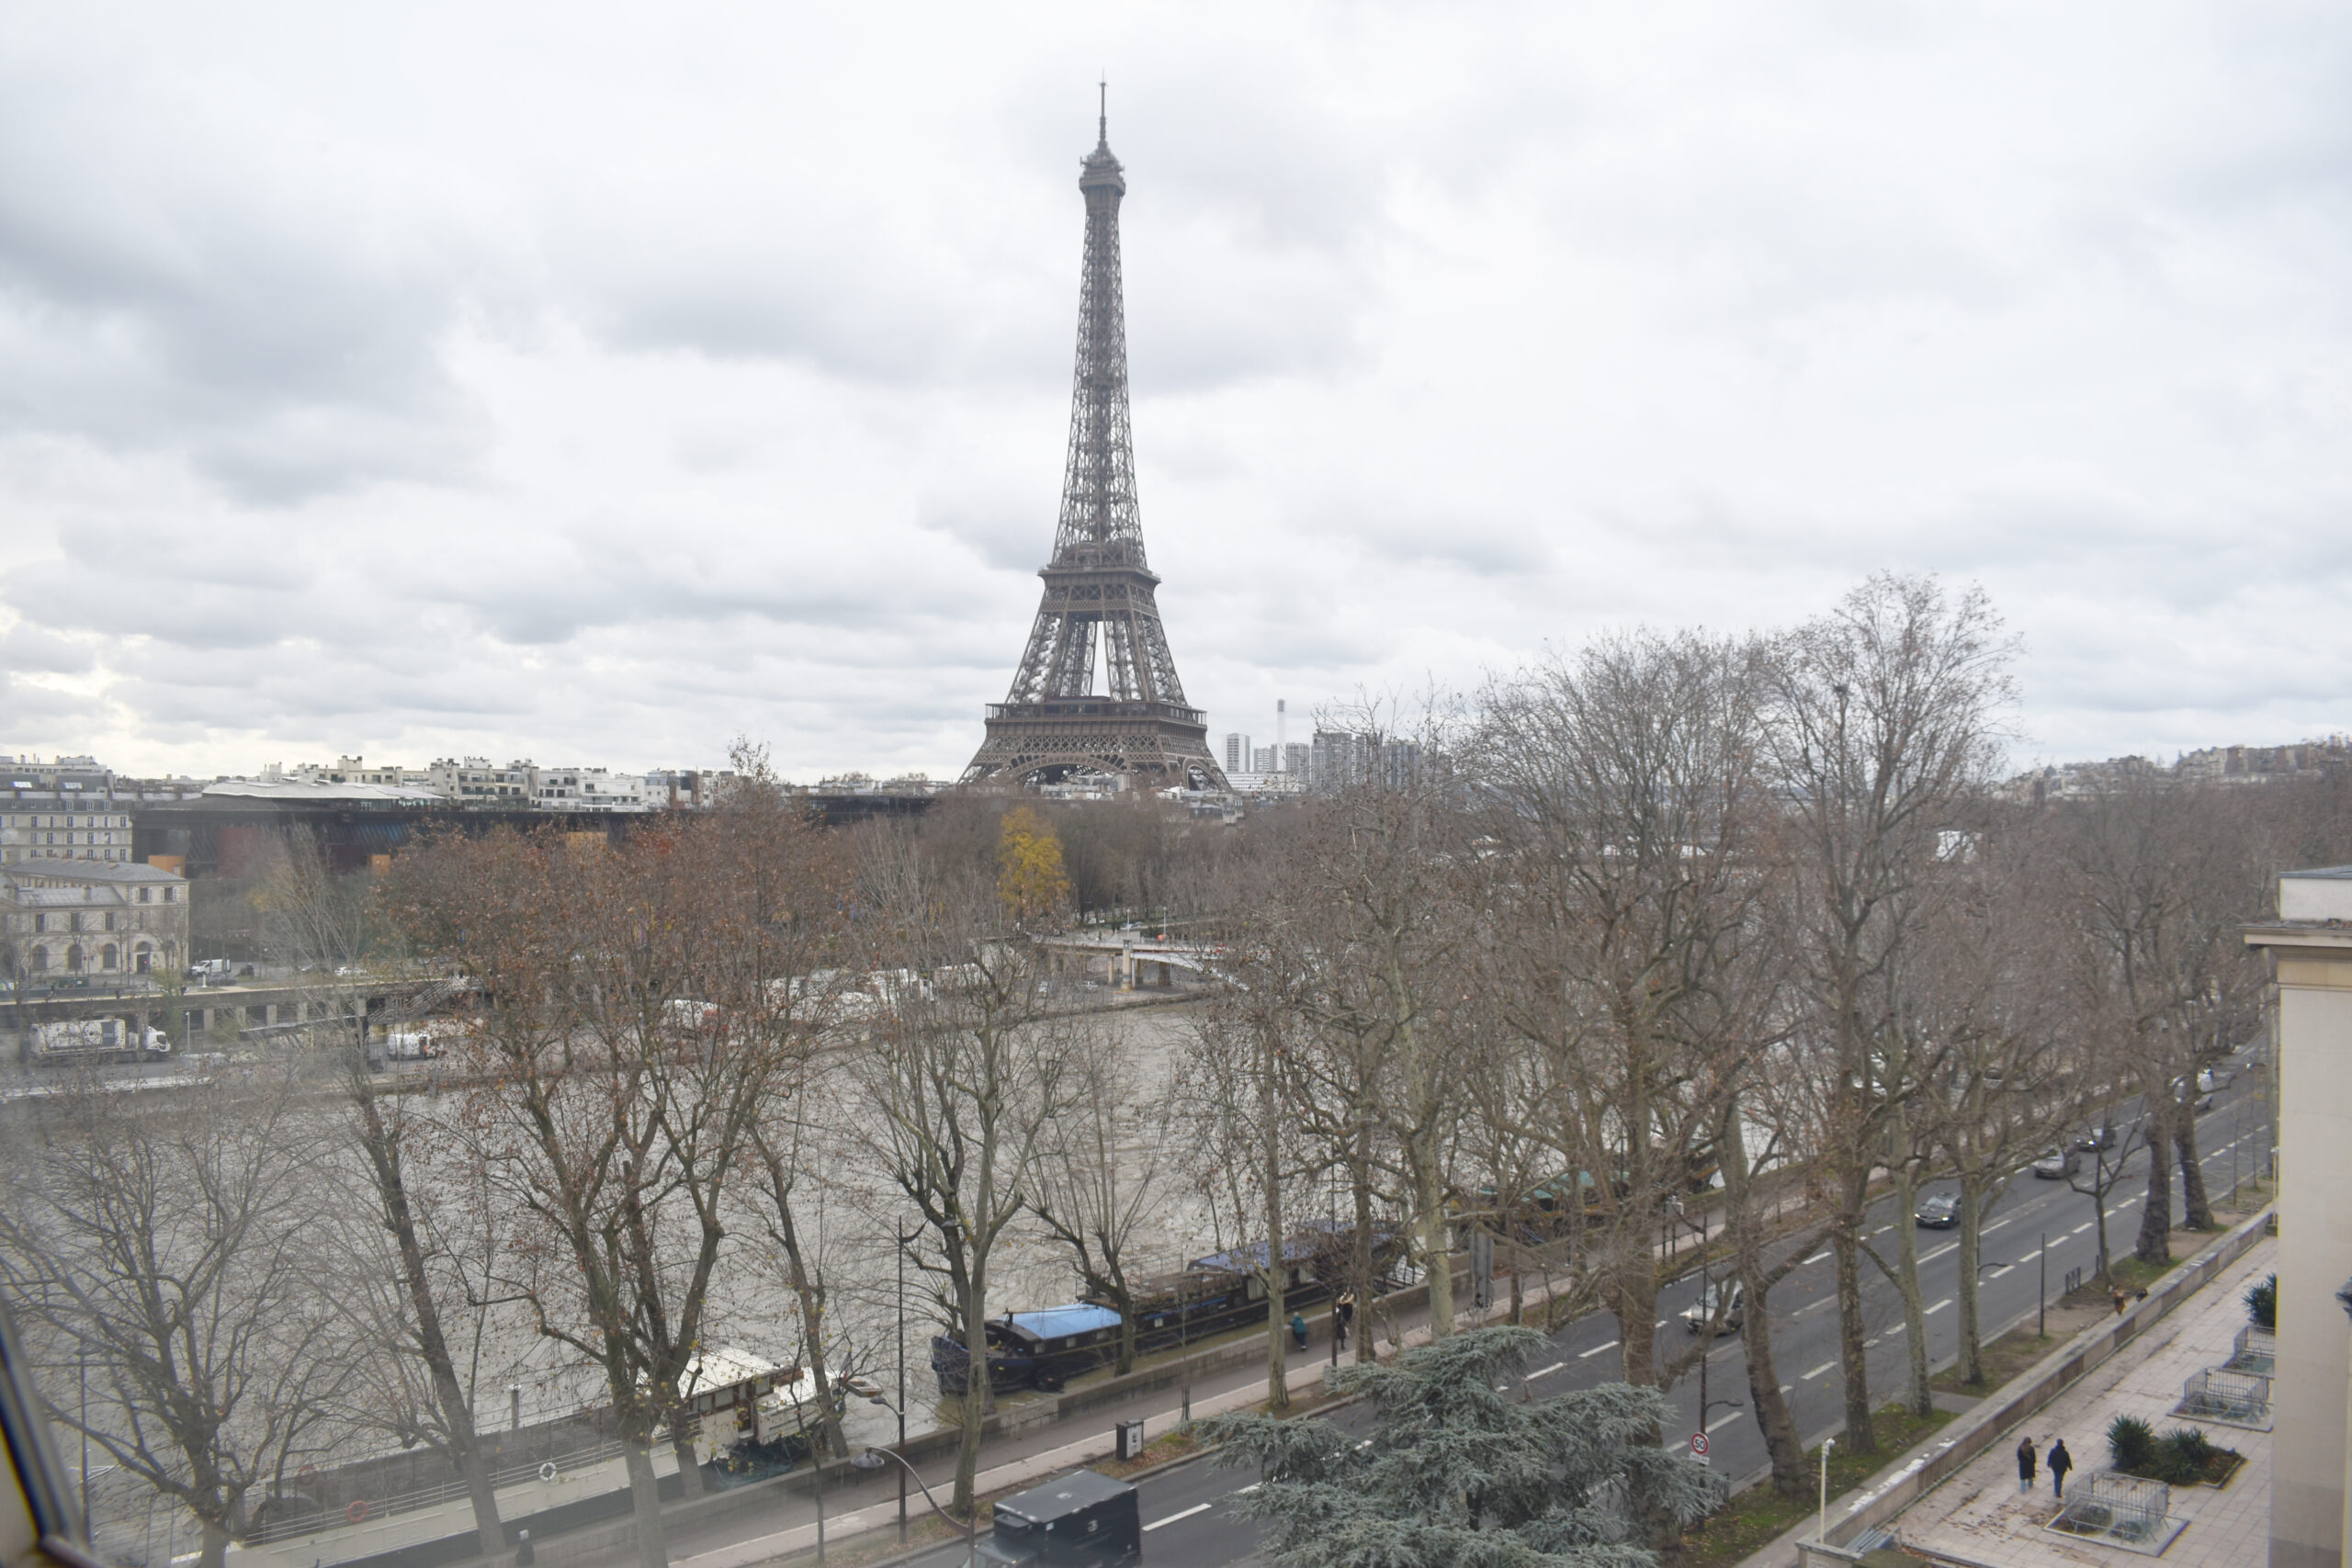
1083 1520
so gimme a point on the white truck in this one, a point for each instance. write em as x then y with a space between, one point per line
87 1037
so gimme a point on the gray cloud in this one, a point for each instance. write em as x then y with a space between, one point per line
421 386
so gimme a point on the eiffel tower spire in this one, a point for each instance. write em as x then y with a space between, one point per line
1098 587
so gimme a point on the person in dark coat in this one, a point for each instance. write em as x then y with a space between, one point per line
2024 1464
2061 1461
1298 1328
1343 1315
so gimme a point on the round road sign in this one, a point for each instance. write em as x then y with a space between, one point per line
1699 1444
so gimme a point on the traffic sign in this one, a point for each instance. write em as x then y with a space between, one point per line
1699 1444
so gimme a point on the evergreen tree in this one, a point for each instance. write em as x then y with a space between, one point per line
1459 1473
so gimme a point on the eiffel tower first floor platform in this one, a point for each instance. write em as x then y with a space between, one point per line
1155 745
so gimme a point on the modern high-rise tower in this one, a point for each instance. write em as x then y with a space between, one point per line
1099 589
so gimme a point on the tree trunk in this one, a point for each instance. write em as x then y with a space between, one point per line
2196 1211
1972 1349
2155 1215
214 1550
1917 1395
1846 1253
1278 1380
684 1425
811 1296
977 1384
456 1410
1791 1476
645 1504
1360 1178
1436 1255
1636 1307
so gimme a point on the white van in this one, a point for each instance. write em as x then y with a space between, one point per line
409 1045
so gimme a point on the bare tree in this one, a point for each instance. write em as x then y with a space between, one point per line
166 1242
1626 799
963 1076
1884 726
1097 1182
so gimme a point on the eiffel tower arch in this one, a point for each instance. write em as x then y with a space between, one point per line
1100 590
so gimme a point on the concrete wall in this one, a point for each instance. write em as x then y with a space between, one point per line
2307 1500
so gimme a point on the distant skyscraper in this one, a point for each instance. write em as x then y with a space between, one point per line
1295 758
1236 752
1262 760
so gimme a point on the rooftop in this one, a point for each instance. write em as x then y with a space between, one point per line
119 872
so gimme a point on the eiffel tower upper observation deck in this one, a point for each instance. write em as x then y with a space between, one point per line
1099 588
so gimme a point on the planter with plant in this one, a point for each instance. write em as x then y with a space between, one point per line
2182 1457
2261 1303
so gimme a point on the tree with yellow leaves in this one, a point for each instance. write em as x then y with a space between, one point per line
1030 878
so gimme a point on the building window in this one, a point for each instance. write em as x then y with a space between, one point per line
40 961
146 959
171 895
107 956
73 959
40 923
110 920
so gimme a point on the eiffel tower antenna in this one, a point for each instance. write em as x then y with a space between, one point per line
1099 588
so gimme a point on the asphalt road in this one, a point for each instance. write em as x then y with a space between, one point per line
1186 1525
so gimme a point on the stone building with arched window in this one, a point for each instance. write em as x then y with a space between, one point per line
109 921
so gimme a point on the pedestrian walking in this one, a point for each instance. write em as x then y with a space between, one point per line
1343 1316
2061 1461
2024 1464
1298 1328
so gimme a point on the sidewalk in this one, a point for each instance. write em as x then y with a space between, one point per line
1980 1515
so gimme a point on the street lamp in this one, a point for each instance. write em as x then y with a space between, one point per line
1821 1521
872 1459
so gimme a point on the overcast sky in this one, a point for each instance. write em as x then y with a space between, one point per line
595 384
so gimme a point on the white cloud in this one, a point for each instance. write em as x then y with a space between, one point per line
604 383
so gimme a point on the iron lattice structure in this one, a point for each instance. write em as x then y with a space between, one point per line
1100 590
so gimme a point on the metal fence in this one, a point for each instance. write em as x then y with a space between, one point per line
2255 1351
2241 1399
2121 1510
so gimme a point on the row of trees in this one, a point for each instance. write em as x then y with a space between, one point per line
1679 911
1674 931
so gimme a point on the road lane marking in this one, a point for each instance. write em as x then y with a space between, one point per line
1938 1307
2001 1270
1818 1370
1931 1257
1543 1371
1596 1349
1246 1489
2081 1228
1722 1421
1996 1224
1814 1259
1179 1514
1826 1300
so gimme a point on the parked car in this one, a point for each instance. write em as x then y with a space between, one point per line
2204 1103
2096 1140
2214 1079
2057 1164
1939 1211
1711 1297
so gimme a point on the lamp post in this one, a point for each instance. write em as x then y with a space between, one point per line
2041 1304
1821 1521
901 1406
872 1459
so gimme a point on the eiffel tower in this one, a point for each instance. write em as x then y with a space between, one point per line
1053 724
